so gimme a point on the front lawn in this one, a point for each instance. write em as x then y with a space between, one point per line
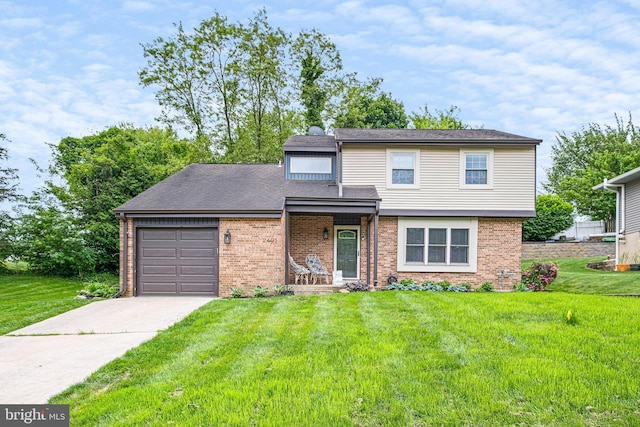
575 277
27 298
394 358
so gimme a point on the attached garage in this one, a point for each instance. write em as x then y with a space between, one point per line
177 261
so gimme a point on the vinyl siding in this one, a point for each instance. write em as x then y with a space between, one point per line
632 207
513 179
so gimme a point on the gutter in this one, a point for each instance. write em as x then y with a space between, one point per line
125 243
620 193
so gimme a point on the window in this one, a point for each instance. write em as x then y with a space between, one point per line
476 169
415 245
309 165
403 169
437 244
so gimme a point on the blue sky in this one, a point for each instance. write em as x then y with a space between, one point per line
534 68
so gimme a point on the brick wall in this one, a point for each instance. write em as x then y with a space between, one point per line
499 247
544 250
256 255
305 237
129 270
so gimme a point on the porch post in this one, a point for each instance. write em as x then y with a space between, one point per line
375 245
286 247
369 249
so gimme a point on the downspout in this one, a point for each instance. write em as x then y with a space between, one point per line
125 259
339 168
369 248
375 244
615 189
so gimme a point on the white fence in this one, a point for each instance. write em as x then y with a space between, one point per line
581 230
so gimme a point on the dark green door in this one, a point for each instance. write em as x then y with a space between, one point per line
347 253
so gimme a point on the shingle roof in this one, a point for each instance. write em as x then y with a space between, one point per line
462 136
324 143
223 188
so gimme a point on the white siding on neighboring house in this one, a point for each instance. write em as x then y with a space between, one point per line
513 178
632 207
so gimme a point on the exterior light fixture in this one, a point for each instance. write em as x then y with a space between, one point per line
325 233
227 237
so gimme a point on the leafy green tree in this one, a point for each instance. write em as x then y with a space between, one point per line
364 105
226 82
99 172
585 158
8 192
50 241
317 62
442 119
553 215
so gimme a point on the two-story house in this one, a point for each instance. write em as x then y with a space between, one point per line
371 203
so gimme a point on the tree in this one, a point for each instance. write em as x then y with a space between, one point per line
585 158
100 172
364 105
553 215
50 241
227 83
442 119
8 188
8 192
317 63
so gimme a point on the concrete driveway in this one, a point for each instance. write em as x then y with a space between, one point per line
46 358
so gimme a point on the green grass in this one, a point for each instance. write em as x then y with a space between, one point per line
575 277
26 299
395 358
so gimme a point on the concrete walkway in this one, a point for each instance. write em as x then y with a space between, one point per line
41 360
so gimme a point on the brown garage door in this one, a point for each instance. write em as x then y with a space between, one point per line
177 261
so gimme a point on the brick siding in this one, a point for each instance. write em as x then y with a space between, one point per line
256 255
305 237
499 248
129 270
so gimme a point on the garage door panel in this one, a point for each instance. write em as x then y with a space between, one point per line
206 253
159 252
199 288
160 288
196 270
151 234
188 264
197 235
164 270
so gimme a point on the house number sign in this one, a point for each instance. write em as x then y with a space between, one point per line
269 240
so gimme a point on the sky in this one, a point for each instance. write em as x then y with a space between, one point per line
532 68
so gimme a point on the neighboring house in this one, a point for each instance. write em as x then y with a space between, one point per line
371 203
627 189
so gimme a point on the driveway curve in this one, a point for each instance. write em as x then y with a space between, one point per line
44 359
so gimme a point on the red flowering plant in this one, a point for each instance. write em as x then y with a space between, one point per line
539 275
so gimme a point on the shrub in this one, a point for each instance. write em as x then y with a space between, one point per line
457 288
539 275
358 286
466 285
100 289
553 215
445 285
282 290
486 287
237 293
432 287
521 287
260 291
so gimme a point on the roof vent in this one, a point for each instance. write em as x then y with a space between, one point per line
316 131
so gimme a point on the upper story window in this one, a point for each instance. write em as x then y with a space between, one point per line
476 169
403 168
310 166
314 165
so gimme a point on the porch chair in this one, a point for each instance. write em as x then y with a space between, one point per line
317 269
299 271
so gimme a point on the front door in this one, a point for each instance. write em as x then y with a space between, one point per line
347 244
